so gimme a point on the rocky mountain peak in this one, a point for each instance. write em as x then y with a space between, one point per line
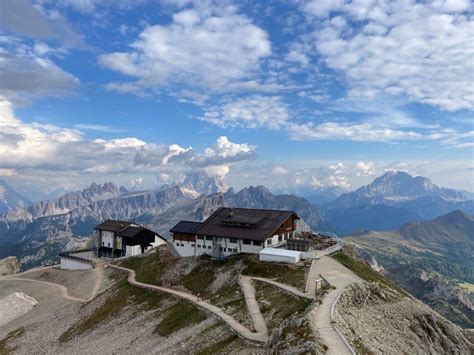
10 199
97 189
202 183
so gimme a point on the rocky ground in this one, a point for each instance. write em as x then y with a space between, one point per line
9 266
125 319
377 319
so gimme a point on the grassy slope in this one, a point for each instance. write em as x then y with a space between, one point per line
124 295
347 258
200 279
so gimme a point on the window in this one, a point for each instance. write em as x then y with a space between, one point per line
108 244
200 237
199 246
235 250
269 241
209 247
103 243
192 244
233 240
224 249
280 239
182 245
257 243
247 242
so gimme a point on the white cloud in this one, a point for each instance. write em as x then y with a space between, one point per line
89 6
359 132
279 170
135 183
249 112
44 147
422 50
339 181
33 20
28 72
210 47
365 169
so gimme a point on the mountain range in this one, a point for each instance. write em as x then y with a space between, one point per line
433 260
36 233
10 199
392 200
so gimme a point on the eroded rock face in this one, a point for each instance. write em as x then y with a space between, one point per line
14 306
9 266
377 319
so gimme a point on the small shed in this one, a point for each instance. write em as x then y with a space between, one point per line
280 255
77 260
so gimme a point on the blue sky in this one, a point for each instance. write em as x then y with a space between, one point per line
283 93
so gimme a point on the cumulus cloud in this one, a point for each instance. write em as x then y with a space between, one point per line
420 50
210 47
27 71
24 18
365 169
46 147
249 112
279 170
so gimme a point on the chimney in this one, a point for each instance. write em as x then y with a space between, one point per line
231 212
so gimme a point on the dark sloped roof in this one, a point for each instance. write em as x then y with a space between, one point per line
185 227
113 226
263 223
130 231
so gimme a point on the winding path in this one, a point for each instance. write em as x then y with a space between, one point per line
63 289
322 316
261 330
260 336
98 270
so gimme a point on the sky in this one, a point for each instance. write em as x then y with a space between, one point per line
288 94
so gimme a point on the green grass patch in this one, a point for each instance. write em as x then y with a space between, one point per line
218 347
201 277
14 334
181 315
293 275
365 272
278 303
123 295
148 269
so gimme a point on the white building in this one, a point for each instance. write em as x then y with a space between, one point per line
120 238
77 260
234 230
280 255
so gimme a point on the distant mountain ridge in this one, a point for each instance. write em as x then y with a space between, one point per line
10 198
431 259
392 200
250 197
36 233
395 188
65 203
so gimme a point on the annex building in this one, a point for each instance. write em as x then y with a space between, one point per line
117 239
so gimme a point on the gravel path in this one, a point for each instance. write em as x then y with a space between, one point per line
61 287
231 321
340 277
285 287
252 305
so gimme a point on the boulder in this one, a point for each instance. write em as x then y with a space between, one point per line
9 266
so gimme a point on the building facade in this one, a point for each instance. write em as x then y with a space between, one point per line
117 239
234 230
